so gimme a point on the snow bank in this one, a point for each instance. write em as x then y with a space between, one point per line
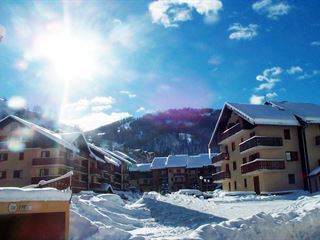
300 221
14 194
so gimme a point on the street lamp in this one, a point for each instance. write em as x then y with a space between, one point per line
201 178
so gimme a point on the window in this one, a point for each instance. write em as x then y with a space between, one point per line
229 186
244 160
21 156
318 162
178 170
84 178
45 154
292 179
235 185
252 134
241 140
3 174
245 183
286 133
233 146
227 150
234 165
44 172
3 156
292 156
17 174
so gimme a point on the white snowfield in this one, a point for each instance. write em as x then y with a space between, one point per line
178 216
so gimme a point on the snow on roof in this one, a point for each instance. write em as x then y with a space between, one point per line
105 153
158 163
70 137
125 156
14 194
263 114
308 112
46 132
199 161
177 161
315 172
117 156
141 167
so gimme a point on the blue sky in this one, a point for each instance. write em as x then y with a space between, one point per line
94 62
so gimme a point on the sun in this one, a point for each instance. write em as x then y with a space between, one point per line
70 55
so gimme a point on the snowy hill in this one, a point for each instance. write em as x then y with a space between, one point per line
178 131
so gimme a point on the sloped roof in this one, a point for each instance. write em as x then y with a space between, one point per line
264 114
177 161
125 156
46 132
107 157
199 161
158 163
141 167
308 112
70 137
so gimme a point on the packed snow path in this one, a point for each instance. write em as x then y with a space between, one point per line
175 216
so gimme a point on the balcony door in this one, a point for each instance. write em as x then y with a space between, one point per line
256 184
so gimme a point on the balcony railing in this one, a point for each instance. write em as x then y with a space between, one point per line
220 157
229 132
260 164
36 180
52 161
80 168
257 141
77 184
220 176
317 140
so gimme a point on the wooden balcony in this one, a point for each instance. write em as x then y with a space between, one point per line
261 142
262 165
318 140
220 176
216 160
230 132
95 171
52 161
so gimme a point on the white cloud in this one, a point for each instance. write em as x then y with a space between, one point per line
91 113
315 44
128 93
82 106
2 32
254 99
269 78
294 69
309 75
141 109
270 9
271 95
94 120
170 12
239 32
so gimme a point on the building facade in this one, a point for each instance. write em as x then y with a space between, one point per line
30 153
263 148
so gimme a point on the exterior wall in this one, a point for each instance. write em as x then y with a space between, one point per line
311 132
274 180
176 179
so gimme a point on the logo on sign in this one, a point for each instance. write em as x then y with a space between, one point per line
12 207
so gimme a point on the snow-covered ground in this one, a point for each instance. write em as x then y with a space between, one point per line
176 216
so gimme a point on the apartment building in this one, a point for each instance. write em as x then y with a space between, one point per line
141 177
264 148
175 172
30 153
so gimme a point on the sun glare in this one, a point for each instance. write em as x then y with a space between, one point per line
69 55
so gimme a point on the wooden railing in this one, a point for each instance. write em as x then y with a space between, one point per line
220 157
317 140
51 161
95 171
229 132
261 165
220 176
261 141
